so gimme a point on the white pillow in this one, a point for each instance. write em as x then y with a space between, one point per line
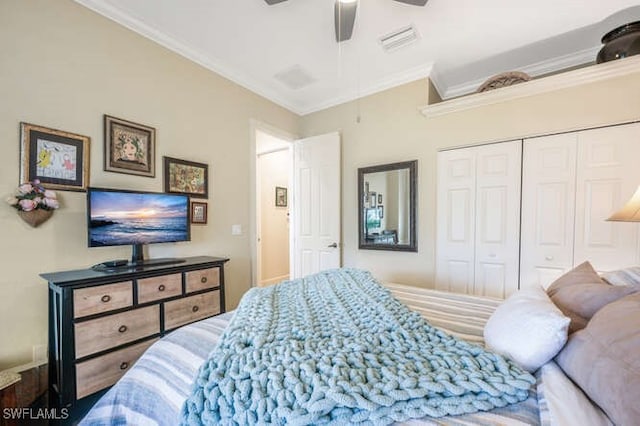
528 328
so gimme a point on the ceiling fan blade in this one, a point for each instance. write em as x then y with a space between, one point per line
414 2
344 18
272 2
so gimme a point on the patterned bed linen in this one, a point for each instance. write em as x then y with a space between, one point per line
155 388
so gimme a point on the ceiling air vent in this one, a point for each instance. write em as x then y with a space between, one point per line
398 39
295 77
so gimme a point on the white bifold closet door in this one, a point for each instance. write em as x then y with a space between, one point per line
548 207
571 183
479 219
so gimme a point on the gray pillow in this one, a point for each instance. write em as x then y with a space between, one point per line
580 293
626 276
603 359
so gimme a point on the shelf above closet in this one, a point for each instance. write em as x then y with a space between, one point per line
564 80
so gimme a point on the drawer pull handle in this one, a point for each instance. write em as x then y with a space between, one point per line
124 365
122 328
195 309
203 280
161 287
106 298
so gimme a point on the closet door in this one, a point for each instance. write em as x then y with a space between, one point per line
608 174
455 259
479 219
548 208
497 221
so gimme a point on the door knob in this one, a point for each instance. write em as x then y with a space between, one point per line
548 258
334 245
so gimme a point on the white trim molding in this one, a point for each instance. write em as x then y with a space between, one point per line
564 80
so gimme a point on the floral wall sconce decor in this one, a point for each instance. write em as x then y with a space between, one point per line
34 203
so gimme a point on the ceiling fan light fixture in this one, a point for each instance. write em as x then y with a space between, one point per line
344 18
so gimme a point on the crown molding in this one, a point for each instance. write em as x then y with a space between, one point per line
171 43
413 74
536 69
175 45
554 82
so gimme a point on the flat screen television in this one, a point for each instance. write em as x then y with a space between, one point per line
120 217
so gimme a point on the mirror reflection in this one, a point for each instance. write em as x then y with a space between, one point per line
387 206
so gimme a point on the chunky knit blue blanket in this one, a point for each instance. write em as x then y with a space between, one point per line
337 348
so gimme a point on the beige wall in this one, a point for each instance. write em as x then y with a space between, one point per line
392 129
63 66
274 170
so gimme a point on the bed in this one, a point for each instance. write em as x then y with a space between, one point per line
154 391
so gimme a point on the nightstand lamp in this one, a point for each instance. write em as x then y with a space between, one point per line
630 212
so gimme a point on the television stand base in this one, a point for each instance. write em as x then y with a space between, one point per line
119 265
156 262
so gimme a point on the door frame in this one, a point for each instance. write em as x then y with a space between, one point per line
255 126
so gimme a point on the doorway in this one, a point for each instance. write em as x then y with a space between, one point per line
273 207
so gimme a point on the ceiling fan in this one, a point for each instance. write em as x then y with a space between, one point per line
345 15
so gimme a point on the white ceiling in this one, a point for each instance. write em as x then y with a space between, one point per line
462 42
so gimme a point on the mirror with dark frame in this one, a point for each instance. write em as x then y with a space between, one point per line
387 206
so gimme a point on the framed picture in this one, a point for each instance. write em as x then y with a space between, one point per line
281 196
373 197
381 212
129 147
60 160
379 198
198 212
186 177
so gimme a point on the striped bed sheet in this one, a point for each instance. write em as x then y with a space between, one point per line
153 391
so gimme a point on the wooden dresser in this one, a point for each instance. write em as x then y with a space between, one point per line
100 322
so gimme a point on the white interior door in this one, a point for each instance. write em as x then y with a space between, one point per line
455 217
548 208
316 200
607 176
497 244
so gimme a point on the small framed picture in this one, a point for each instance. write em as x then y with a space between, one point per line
373 197
59 159
129 147
381 212
379 198
186 177
198 212
281 196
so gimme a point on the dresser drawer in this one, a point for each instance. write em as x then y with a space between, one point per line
103 371
102 298
190 309
157 288
202 279
107 332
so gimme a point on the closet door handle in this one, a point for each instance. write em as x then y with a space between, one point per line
548 258
334 245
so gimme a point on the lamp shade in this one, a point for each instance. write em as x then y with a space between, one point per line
630 212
